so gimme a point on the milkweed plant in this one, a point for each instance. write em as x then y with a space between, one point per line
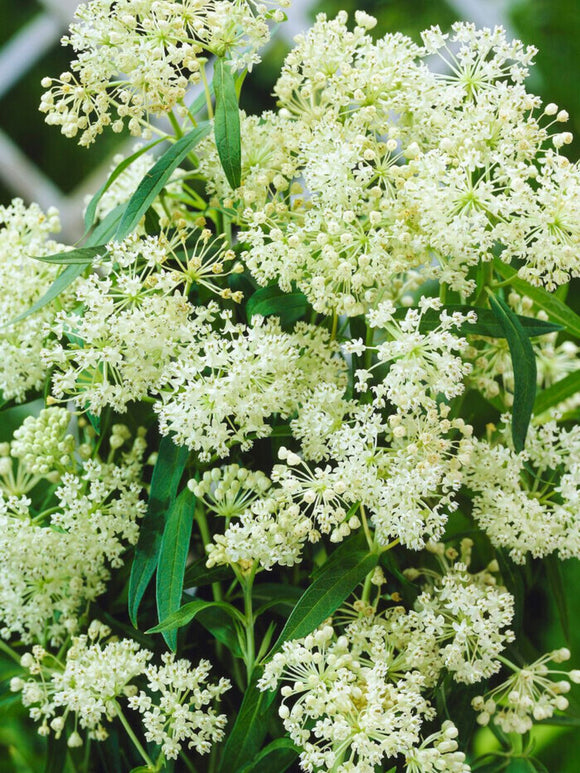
299 427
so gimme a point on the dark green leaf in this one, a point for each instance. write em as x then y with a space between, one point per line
56 753
556 393
219 624
561 721
268 301
249 730
168 470
356 543
227 122
326 594
188 611
277 756
103 233
82 256
119 169
486 325
520 765
512 579
524 366
63 280
197 574
157 178
557 311
172 558
556 583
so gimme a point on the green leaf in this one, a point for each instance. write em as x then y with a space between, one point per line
227 122
249 730
103 233
56 753
486 325
157 178
63 280
557 393
560 721
556 583
197 574
119 169
268 301
172 558
167 473
326 594
512 578
188 611
556 309
82 256
524 365
219 624
278 756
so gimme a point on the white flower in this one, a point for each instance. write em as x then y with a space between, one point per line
528 694
347 712
24 233
177 710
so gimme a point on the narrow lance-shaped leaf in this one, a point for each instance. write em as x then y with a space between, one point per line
96 240
326 594
556 309
227 122
524 366
157 178
557 393
189 611
277 756
172 559
167 473
247 734
82 256
91 209
486 325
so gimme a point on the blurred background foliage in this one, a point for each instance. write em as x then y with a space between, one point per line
551 25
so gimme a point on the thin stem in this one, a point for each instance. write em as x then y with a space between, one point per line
334 326
207 94
247 583
206 537
6 648
146 758
175 124
366 529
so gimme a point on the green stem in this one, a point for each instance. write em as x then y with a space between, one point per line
334 326
129 730
6 648
175 124
207 94
247 582
206 537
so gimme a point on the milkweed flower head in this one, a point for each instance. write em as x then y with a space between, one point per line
136 59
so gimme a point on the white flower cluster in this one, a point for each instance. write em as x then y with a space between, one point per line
375 166
349 712
180 711
24 233
528 502
136 58
528 694
352 692
55 556
136 318
227 383
97 678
